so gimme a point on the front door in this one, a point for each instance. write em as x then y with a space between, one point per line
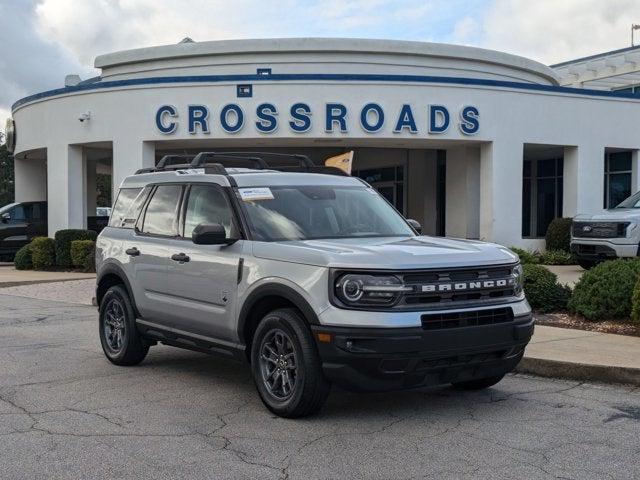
203 279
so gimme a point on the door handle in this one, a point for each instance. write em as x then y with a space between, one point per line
180 257
133 252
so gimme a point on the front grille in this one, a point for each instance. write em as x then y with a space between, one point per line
460 360
599 229
480 285
475 318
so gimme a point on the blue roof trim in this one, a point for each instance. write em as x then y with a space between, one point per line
334 77
597 55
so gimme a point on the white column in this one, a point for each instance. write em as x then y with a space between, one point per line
583 180
128 156
421 186
463 192
30 180
501 192
66 186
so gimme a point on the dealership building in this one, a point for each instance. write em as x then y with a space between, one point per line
472 143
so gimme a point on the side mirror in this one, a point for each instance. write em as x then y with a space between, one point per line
210 234
5 217
415 225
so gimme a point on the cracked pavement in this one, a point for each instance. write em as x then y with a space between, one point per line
67 413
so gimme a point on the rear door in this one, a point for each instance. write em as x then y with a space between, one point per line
156 226
203 278
37 220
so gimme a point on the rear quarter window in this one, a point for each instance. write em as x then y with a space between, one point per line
127 207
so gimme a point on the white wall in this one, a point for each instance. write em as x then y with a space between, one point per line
463 192
30 180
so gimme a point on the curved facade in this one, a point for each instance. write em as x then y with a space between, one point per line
470 142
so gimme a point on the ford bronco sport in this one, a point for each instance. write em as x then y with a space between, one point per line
307 274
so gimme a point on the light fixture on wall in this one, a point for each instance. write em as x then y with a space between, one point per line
85 117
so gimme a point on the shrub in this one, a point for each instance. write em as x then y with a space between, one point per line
635 303
22 260
63 244
557 257
605 291
542 289
559 234
526 257
83 254
43 253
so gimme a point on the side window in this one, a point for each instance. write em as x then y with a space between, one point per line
127 208
160 216
39 211
18 214
208 204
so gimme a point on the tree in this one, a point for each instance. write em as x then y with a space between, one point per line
6 176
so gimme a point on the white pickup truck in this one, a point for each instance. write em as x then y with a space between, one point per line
603 236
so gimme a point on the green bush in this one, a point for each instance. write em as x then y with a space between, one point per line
83 254
526 257
542 289
22 260
605 291
63 244
635 303
43 253
557 257
559 234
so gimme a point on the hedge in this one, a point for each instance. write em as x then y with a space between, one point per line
559 234
22 260
83 254
43 253
605 291
557 257
526 257
63 240
542 289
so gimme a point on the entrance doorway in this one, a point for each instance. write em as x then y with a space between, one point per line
388 181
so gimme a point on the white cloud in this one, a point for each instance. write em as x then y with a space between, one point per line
552 31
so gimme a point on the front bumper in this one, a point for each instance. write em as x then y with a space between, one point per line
379 359
602 249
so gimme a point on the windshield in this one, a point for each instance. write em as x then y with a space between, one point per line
632 202
315 212
6 208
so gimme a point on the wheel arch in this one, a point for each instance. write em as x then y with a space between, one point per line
112 275
265 299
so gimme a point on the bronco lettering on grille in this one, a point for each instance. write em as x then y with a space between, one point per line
463 286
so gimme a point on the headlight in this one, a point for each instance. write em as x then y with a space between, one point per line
361 289
519 273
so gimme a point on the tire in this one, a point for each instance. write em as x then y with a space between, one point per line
479 384
587 264
117 319
297 361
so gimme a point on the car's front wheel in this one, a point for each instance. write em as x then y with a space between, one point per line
120 339
286 366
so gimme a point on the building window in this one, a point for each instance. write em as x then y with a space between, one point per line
617 178
541 195
388 181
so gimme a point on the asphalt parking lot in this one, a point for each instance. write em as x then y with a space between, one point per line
65 412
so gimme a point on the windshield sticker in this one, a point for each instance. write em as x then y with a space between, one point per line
251 194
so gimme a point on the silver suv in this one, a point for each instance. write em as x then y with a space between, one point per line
305 273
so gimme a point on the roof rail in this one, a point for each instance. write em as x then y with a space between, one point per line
202 159
167 163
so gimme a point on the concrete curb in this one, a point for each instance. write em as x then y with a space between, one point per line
579 371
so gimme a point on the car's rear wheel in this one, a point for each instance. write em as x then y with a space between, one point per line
478 384
120 339
286 366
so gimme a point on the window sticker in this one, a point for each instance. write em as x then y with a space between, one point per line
252 194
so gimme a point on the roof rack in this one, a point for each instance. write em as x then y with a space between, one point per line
218 162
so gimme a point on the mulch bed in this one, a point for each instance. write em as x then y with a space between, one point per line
565 320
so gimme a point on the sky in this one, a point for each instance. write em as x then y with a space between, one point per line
44 40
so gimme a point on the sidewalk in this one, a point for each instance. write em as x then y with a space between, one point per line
583 355
10 277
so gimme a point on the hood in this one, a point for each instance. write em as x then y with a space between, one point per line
394 253
613 215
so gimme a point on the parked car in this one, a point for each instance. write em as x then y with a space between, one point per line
19 224
609 235
308 275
